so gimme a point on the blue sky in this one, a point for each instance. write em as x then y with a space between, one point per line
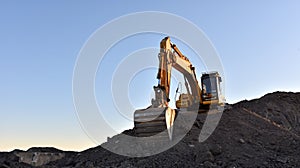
258 43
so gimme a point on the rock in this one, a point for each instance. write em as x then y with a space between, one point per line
38 158
282 159
248 155
209 156
265 163
216 150
204 156
191 145
208 164
242 141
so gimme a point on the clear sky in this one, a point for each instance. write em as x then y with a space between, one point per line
258 43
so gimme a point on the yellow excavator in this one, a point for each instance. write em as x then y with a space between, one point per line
159 116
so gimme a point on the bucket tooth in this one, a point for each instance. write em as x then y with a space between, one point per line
170 116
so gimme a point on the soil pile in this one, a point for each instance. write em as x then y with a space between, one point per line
263 132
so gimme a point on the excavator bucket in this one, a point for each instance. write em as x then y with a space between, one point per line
154 121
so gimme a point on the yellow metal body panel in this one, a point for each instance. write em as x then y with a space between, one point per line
210 102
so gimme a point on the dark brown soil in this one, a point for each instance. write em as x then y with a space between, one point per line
263 132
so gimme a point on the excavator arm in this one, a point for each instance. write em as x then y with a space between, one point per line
171 57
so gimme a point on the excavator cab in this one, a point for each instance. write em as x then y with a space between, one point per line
210 95
211 90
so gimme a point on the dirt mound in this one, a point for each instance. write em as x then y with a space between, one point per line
31 157
280 107
257 133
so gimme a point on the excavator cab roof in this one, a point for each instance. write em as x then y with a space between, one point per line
211 74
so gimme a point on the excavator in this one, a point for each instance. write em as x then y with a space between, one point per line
159 116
